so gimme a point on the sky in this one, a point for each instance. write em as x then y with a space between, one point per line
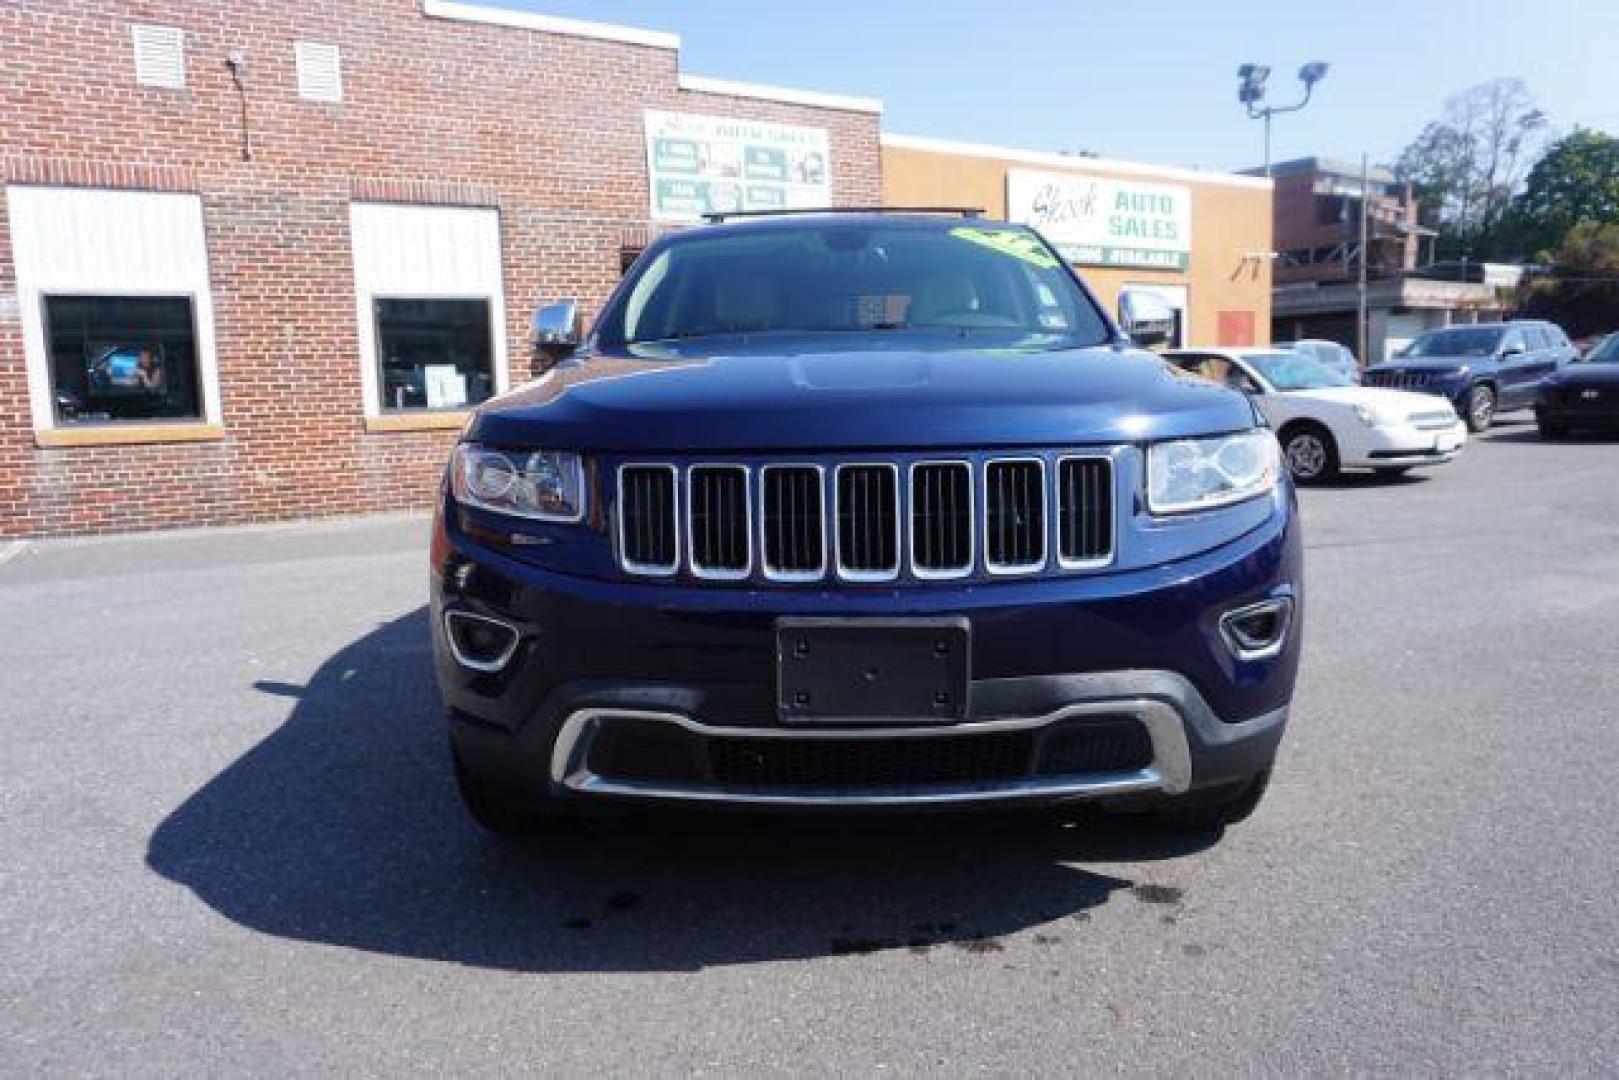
1149 80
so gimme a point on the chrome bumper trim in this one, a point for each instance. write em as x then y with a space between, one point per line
1170 771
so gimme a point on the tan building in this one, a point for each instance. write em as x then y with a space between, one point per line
1200 240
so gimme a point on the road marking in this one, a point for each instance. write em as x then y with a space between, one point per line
12 550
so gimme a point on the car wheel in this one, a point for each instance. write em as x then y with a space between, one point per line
492 810
1310 453
1391 471
1204 812
1479 409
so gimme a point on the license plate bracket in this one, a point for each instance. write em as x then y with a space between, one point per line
854 670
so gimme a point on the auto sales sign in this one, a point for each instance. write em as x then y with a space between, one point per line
1099 221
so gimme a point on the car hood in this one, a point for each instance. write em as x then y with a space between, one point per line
1394 400
807 396
1599 374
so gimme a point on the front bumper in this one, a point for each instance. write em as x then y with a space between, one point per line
1081 659
1399 445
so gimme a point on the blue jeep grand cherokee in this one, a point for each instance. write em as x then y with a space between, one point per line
864 510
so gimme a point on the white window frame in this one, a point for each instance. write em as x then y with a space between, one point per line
424 279
42 271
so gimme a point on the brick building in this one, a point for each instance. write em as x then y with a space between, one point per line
256 259
1319 253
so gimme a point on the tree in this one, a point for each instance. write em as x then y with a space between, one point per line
1467 165
1582 291
1577 180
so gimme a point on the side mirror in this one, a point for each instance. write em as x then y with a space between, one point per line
1145 317
1510 351
555 329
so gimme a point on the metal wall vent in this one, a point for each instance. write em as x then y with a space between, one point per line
160 58
320 71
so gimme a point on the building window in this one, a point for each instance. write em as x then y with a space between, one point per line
430 305
320 71
116 310
160 58
118 358
433 353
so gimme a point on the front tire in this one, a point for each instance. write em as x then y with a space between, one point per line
1311 453
1479 408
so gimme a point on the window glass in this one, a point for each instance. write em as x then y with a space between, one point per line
1456 341
1294 371
117 358
819 277
434 354
1538 338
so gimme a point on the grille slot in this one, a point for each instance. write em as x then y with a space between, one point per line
794 523
648 535
721 537
1084 511
868 522
1014 516
822 762
941 519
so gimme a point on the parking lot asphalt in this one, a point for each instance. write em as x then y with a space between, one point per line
229 841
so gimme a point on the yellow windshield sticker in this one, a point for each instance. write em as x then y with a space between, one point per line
1016 244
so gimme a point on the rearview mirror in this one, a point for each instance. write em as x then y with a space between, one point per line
1146 317
554 330
554 324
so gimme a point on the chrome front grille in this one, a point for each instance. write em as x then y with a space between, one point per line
1432 421
866 521
1397 380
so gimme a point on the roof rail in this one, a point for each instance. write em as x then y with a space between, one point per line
717 216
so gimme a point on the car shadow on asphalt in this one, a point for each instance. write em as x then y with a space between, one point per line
1531 434
343 827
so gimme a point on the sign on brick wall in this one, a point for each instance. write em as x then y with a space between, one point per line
704 164
1099 221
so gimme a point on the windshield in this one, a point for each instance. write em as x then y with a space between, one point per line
1316 350
820 276
1294 371
1605 352
1457 341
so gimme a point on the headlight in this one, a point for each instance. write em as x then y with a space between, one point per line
1376 415
1199 474
546 485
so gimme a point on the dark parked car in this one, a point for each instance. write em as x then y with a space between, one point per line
864 510
1584 394
1483 369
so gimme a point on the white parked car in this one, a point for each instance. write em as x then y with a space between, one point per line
1324 421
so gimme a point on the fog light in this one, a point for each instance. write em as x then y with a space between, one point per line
479 642
1258 630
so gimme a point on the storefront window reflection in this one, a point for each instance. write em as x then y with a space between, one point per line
434 354
121 358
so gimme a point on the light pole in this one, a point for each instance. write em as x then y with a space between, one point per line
1251 91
